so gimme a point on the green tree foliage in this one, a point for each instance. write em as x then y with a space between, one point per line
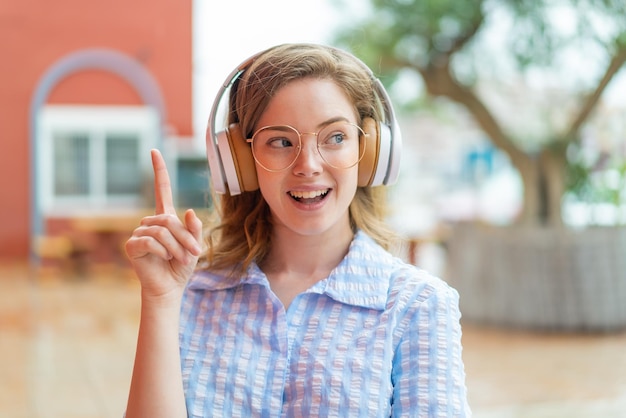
446 43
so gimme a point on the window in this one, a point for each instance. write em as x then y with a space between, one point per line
95 157
192 185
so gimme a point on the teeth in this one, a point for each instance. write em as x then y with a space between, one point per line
309 195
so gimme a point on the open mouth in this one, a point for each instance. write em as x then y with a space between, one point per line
309 197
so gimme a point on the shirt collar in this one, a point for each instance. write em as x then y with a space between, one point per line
361 279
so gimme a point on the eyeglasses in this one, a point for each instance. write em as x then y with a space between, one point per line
340 144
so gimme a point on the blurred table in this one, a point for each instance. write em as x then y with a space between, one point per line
106 235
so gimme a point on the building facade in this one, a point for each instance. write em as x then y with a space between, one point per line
86 90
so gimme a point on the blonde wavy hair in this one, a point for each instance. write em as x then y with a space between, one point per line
241 225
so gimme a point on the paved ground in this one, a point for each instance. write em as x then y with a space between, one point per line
66 350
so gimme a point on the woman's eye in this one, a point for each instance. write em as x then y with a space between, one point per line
279 142
336 138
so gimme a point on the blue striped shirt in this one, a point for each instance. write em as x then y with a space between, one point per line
376 338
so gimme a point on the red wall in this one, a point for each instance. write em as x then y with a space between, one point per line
34 34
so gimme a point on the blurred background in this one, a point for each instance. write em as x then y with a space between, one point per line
512 185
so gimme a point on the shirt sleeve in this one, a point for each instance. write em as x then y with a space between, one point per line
428 372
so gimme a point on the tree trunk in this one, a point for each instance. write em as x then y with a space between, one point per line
543 178
553 165
529 171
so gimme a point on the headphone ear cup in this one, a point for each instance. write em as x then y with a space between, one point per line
230 182
369 161
384 155
243 160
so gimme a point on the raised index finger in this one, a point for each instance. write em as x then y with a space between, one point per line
162 187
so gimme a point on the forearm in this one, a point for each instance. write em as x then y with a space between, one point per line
156 386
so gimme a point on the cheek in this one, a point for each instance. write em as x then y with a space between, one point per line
269 183
350 188
351 178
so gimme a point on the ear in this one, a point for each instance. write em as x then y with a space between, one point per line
245 166
369 162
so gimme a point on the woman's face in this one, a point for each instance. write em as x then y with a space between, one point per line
311 197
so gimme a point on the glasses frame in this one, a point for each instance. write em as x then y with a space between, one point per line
362 145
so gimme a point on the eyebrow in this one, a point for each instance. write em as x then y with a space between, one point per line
332 120
322 125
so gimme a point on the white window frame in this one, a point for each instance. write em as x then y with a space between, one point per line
96 122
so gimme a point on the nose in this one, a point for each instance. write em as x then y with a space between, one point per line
309 162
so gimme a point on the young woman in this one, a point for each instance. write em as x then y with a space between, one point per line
296 308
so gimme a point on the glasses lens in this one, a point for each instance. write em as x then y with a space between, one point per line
275 147
340 144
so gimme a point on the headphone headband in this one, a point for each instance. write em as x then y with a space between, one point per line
227 160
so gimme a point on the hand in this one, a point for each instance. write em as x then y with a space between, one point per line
164 249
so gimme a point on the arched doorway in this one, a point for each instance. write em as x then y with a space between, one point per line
111 61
